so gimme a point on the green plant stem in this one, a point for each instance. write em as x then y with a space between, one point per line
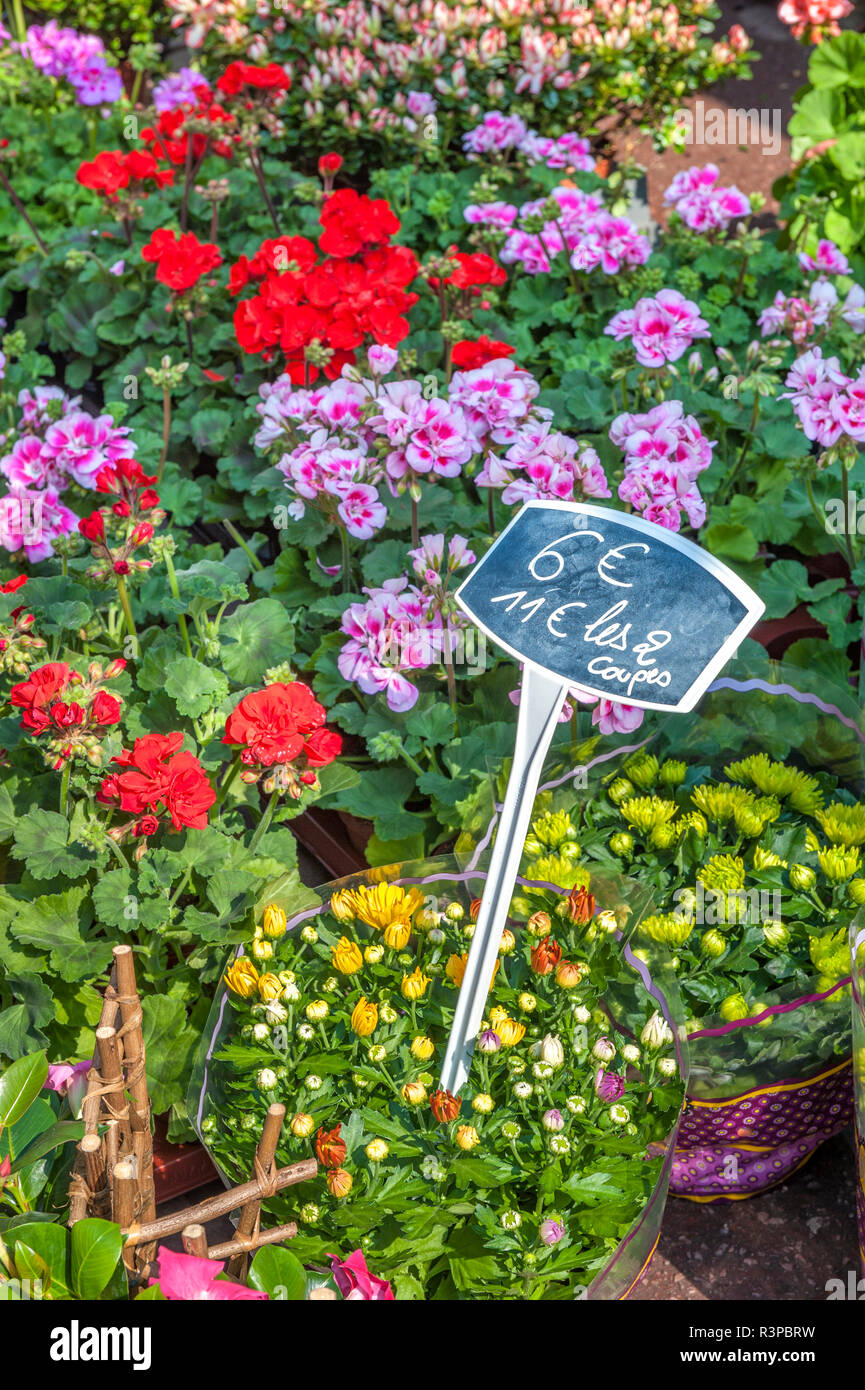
845 490
18 20
258 170
13 196
415 524
64 786
123 595
166 431
227 780
136 86
238 540
345 546
755 415
264 822
175 592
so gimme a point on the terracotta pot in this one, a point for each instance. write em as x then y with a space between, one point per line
178 1168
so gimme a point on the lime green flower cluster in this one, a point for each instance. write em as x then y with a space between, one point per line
755 872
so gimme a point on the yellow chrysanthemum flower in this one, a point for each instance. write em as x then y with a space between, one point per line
274 920
242 978
456 969
723 873
672 928
364 1017
842 824
766 859
413 986
642 769
346 956
646 812
507 1028
269 988
396 935
385 903
552 828
341 905
839 864
777 779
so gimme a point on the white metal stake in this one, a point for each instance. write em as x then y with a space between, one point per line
541 700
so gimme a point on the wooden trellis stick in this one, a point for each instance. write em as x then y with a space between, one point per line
263 1168
195 1240
220 1205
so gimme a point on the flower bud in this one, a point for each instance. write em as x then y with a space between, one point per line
619 790
270 988
373 954
559 1145
656 1033
511 1220
619 1114
376 1151
507 943
489 1041
339 1182
483 1103
242 978
346 956
523 1090
621 843
455 912
631 1053
342 905
302 1125
604 1051
733 1008
261 949
712 944
667 1066
550 1231
775 934
569 974
275 1013
576 1105
273 920
856 890
436 936
467 1137
266 1079
550 1050
553 1120
309 935
422 1048
539 924
377 1053
527 1002
309 1214
802 877
317 1010
413 1093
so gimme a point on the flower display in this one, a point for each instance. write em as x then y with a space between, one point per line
393 1143
282 727
158 778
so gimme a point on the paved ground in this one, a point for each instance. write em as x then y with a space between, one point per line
755 165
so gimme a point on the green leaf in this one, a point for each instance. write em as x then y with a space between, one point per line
63 1132
50 1241
20 1084
782 587
275 1271
59 603
194 687
732 542
169 1044
41 840
254 637
96 1247
839 63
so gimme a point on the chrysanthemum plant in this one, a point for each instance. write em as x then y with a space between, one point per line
523 1185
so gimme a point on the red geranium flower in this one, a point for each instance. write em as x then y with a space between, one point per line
467 356
276 725
12 585
38 693
157 775
474 270
181 260
271 78
113 170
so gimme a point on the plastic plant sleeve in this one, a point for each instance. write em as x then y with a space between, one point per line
767 1090
857 957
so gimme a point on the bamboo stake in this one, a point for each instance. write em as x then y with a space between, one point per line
195 1240
274 1236
90 1109
114 1098
220 1205
134 1059
125 1195
251 1213
93 1154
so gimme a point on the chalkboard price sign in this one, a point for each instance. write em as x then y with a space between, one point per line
610 603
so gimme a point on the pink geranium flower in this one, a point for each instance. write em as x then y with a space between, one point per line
355 1282
189 1279
661 328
